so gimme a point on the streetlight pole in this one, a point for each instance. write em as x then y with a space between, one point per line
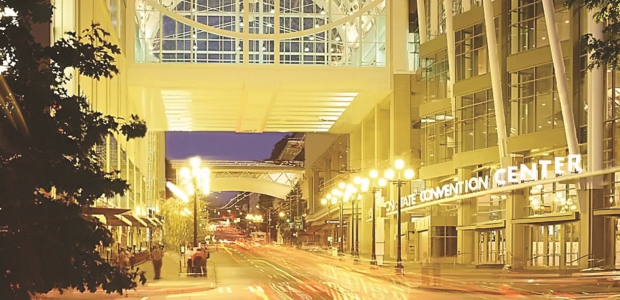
195 211
381 182
197 179
399 182
373 247
353 227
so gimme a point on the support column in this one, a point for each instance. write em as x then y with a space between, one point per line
447 4
498 99
434 12
382 138
400 139
560 77
466 239
398 18
590 224
422 21
368 162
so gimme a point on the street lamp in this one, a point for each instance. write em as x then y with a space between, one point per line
338 195
199 180
377 184
329 201
361 187
399 165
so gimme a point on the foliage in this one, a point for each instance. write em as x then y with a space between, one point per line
603 52
178 227
48 167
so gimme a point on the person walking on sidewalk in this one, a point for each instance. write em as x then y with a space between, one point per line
157 255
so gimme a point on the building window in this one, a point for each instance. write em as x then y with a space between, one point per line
553 197
471 52
476 126
466 5
527 24
611 136
490 208
439 140
435 76
535 104
443 241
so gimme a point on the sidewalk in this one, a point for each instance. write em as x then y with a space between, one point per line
468 279
171 282
173 274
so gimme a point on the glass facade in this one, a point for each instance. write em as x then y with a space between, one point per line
435 76
476 125
527 24
439 145
288 32
535 104
471 52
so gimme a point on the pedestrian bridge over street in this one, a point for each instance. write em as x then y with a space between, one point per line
273 178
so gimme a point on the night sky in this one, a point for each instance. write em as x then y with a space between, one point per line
221 145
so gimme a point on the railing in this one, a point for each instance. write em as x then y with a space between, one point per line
252 163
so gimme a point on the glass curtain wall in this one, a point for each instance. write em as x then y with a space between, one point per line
335 33
471 52
534 101
476 125
527 24
435 76
550 198
439 144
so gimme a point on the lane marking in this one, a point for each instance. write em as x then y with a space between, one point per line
228 289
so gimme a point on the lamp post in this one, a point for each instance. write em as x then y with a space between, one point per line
269 211
281 215
199 180
329 201
361 188
339 196
381 182
399 165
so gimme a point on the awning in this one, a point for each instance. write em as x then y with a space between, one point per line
136 221
104 210
158 221
112 215
151 222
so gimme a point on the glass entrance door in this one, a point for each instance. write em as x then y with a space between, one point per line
491 247
554 245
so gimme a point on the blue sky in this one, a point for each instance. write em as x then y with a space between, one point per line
221 145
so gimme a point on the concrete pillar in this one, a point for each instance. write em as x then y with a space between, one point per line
422 21
434 12
400 119
400 137
398 18
498 99
596 117
382 138
368 163
466 243
518 241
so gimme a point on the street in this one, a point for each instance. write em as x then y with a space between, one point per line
281 272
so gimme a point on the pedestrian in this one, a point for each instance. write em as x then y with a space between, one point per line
157 256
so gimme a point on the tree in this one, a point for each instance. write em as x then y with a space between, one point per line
48 166
178 225
606 51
